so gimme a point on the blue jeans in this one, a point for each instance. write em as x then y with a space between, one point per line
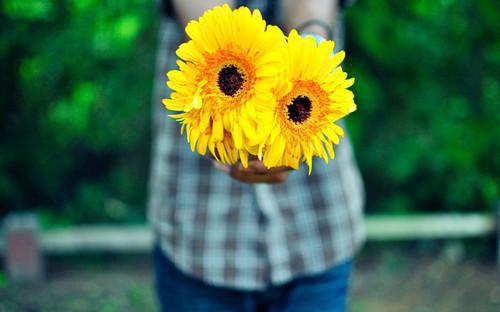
179 292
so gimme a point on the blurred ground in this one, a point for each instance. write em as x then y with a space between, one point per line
403 280
386 279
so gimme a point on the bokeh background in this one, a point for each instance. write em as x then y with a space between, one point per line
76 82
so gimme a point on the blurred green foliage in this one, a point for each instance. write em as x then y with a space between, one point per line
76 87
427 85
75 107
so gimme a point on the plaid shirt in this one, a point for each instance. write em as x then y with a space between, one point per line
246 236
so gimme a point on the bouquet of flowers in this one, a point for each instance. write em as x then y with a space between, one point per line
244 89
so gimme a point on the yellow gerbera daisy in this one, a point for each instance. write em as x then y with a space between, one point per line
225 79
311 96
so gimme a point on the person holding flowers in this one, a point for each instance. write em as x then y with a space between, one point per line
245 223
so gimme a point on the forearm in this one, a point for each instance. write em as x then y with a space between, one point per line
192 9
297 12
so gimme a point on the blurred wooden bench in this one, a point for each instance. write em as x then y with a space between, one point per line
23 238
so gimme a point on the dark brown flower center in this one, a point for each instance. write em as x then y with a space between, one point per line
230 80
300 109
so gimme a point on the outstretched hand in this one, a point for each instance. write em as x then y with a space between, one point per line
255 173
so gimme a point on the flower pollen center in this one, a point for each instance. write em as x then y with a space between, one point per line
230 80
300 109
